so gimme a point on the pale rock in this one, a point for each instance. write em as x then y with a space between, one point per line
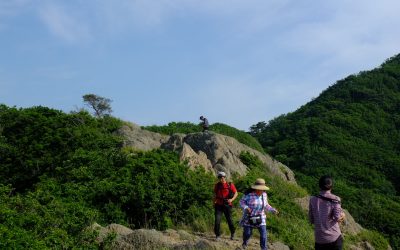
140 139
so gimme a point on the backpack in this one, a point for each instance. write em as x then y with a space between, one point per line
231 194
342 214
327 199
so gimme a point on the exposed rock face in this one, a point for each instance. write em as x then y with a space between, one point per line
176 143
221 153
145 239
139 138
112 228
215 152
195 159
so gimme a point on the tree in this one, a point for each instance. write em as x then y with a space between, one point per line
100 105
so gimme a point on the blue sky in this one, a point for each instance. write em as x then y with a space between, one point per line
238 62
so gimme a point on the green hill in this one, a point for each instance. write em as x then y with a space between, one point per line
351 131
61 173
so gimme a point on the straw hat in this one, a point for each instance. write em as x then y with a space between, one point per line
260 185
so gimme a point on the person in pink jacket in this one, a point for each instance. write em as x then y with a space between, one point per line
325 212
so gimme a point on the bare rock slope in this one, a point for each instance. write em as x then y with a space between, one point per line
148 239
139 138
213 151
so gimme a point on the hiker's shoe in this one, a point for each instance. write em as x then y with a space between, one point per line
244 246
232 236
217 238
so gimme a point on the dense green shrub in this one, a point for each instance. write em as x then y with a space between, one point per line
42 220
155 190
60 173
175 127
38 140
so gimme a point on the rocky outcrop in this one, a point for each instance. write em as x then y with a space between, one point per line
195 159
139 138
215 152
146 239
221 153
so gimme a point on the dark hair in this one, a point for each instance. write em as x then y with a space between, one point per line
325 182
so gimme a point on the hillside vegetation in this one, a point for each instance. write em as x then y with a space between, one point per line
61 173
351 131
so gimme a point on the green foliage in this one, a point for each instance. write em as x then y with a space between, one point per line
352 132
37 140
175 127
40 220
375 238
155 190
60 173
100 105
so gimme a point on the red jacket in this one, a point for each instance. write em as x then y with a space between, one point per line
221 191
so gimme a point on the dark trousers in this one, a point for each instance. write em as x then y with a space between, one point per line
336 245
219 210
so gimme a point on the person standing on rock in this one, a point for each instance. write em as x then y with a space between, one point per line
204 123
224 194
325 212
254 205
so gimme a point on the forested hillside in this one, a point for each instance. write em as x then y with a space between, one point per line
351 131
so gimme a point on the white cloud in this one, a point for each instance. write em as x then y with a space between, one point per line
354 33
63 24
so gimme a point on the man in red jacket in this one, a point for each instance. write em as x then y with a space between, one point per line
224 194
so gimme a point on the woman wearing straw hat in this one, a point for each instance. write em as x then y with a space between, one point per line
254 205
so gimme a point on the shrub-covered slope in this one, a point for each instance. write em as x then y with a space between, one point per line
352 131
60 173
